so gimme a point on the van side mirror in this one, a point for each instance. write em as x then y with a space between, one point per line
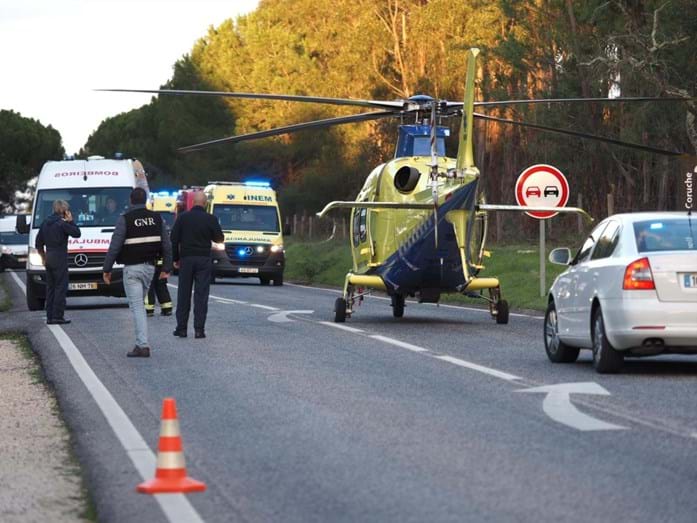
560 256
22 225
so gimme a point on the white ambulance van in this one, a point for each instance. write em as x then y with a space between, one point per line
251 221
97 191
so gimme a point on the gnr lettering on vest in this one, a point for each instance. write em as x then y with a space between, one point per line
143 222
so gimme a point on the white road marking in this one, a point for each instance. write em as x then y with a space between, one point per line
479 368
402 344
229 300
265 307
340 326
459 307
176 507
557 405
282 317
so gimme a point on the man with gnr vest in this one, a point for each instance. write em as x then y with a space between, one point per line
139 239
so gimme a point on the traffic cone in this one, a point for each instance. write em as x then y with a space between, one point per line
170 476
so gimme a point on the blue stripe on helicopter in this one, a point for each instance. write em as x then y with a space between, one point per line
417 263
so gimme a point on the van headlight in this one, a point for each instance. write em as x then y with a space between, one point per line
35 258
218 246
5 249
277 248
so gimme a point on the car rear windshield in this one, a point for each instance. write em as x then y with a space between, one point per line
666 235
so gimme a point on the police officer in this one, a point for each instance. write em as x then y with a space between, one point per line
52 244
192 235
139 239
158 287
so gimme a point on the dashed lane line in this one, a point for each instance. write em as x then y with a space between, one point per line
340 326
402 344
176 507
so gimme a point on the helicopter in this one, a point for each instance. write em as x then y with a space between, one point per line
418 226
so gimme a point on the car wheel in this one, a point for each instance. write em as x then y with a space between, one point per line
557 351
264 281
34 303
278 281
606 359
397 305
340 310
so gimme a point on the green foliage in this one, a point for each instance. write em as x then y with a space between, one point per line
25 145
398 48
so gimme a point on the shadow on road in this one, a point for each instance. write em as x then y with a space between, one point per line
95 306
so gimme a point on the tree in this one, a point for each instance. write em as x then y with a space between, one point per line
25 145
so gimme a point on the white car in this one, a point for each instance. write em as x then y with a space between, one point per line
13 246
631 290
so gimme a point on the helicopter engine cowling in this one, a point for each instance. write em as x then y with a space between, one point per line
406 178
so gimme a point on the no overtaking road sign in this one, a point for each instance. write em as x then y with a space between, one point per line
542 186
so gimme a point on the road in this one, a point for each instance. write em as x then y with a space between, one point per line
290 417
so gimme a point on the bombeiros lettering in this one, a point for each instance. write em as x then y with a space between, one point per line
66 174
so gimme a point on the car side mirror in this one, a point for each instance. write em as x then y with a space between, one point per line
560 256
22 225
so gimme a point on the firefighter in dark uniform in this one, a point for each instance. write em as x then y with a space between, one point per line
158 288
52 244
140 238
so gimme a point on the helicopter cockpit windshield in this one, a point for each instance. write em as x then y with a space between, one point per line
415 140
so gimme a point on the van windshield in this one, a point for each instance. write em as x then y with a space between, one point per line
91 207
247 217
666 235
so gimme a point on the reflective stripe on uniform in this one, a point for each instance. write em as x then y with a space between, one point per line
144 239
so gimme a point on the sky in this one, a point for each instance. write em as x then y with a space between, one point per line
54 52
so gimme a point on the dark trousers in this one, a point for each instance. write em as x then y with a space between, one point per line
56 284
158 288
194 271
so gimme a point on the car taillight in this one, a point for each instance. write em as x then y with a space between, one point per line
637 276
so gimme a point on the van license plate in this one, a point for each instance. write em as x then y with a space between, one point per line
690 280
89 286
249 270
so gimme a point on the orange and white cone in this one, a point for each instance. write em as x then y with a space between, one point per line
170 476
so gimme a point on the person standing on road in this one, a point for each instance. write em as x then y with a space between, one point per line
52 244
139 239
158 287
192 235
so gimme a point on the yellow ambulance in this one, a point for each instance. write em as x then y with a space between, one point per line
164 203
249 216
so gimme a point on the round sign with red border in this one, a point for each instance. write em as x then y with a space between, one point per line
542 186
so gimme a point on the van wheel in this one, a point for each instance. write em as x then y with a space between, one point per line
340 310
606 360
34 303
278 281
557 351
397 305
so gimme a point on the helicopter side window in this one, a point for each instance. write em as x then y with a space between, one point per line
359 226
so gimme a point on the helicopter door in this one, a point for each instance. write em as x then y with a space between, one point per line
360 239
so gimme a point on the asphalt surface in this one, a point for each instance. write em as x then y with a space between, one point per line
412 419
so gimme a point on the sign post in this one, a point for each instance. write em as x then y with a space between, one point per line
542 185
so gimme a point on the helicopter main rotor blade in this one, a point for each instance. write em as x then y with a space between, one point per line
563 100
286 97
588 136
361 117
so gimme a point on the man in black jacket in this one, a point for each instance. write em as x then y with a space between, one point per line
192 235
52 244
140 238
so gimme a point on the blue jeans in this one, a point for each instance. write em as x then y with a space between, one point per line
136 282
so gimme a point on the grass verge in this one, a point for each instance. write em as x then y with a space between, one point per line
71 466
516 266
